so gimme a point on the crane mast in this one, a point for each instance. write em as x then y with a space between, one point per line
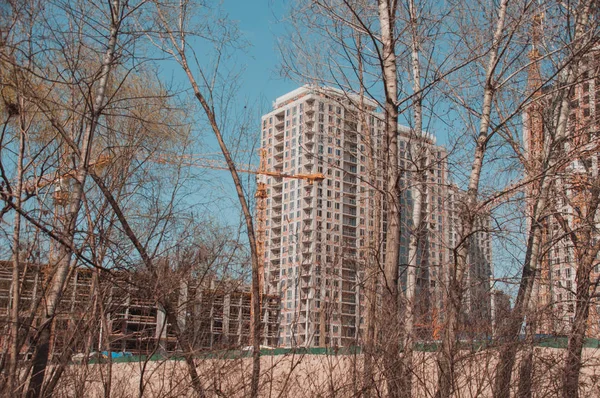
262 172
62 194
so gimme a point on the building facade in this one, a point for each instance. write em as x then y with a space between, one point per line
570 195
318 236
213 313
478 315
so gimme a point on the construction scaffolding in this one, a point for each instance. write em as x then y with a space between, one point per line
112 311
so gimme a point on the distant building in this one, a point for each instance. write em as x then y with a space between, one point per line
477 301
501 310
556 283
212 313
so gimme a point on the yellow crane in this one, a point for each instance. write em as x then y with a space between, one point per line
261 195
61 192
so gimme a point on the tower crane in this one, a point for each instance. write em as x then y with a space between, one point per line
61 193
261 195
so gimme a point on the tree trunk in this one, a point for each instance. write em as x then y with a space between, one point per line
187 349
446 360
179 45
570 387
587 253
509 333
418 158
503 374
372 268
170 311
16 280
41 355
387 20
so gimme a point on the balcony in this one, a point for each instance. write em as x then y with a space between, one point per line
349 221
349 201
308 208
350 159
349 243
351 148
348 309
349 210
348 298
349 231
349 179
350 137
349 189
307 248
349 168
349 253
280 119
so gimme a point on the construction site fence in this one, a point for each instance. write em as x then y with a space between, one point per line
550 342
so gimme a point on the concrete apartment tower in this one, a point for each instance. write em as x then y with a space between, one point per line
479 316
570 195
312 230
318 235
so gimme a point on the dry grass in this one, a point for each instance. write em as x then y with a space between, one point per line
300 376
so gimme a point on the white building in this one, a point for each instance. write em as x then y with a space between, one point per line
317 235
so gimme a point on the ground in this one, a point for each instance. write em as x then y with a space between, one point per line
300 376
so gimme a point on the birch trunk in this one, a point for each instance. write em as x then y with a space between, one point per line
15 282
446 357
587 251
419 193
391 356
503 373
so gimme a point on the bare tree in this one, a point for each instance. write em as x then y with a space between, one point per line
174 20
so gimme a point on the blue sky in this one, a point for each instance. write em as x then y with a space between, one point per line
259 85
258 22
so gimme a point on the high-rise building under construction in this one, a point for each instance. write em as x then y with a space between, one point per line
569 211
319 236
